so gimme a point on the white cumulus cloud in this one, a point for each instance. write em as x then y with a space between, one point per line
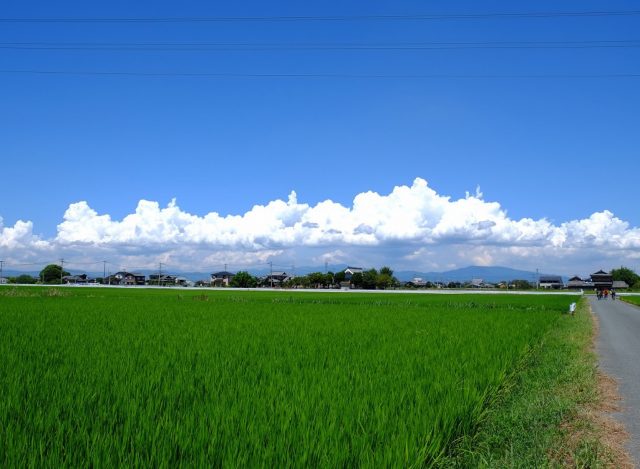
412 225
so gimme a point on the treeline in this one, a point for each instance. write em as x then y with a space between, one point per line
626 275
371 279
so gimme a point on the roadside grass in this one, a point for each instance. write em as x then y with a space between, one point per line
544 414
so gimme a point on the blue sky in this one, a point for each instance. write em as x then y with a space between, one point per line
530 125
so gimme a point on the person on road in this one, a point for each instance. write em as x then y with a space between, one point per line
613 294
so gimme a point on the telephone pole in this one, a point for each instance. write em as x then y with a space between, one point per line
271 273
104 271
1 265
61 269
159 272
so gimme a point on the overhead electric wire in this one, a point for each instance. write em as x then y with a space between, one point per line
28 263
318 75
295 18
238 46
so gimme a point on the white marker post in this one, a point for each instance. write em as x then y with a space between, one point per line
572 308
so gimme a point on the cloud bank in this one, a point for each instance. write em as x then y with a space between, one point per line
412 227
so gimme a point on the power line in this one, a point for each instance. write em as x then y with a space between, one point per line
287 18
434 76
231 46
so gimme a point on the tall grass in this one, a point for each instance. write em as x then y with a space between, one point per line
141 377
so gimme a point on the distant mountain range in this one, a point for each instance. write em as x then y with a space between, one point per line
465 274
488 274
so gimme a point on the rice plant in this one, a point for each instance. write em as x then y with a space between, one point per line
146 377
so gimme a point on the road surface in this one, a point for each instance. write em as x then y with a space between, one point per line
618 348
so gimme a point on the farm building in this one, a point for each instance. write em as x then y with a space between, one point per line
276 278
349 271
551 281
80 279
417 282
620 284
577 283
602 280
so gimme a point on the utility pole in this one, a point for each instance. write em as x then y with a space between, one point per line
271 273
104 271
159 272
225 267
61 269
1 265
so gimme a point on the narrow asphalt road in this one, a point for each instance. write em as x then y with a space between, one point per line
618 348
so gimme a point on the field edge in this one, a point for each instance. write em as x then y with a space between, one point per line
549 414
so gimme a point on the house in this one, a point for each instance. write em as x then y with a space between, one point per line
577 283
349 271
275 279
221 279
81 279
550 281
163 279
602 280
127 278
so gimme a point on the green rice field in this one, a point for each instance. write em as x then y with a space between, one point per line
143 377
631 299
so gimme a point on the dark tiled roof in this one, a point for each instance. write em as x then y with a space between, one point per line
550 279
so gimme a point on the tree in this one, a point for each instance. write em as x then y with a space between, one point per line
243 279
339 277
330 279
52 273
626 275
384 281
316 279
369 279
386 278
521 284
357 280
24 279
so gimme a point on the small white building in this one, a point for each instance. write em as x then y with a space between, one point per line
418 282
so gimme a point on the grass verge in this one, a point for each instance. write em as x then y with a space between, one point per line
547 413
